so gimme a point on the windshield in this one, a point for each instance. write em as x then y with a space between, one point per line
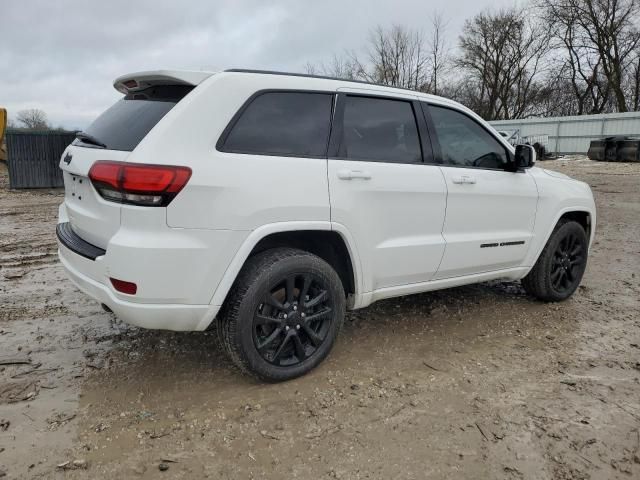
130 119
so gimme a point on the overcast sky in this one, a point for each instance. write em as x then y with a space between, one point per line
62 56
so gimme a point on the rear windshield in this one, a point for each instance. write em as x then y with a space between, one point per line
127 122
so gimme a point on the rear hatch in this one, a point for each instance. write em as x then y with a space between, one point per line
92 218
112 137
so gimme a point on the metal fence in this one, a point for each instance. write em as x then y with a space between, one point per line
569 135
33 158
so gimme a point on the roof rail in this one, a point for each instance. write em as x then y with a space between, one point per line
323 77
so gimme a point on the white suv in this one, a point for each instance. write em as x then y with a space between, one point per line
272 202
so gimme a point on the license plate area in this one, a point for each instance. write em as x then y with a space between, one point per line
92 218
76 187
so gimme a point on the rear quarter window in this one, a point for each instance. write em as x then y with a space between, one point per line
130 119
281 123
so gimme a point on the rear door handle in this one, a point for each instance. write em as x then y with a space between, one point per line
351 174
464 180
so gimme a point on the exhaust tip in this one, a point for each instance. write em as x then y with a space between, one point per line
106 308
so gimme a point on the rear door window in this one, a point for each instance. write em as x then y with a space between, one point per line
380 130
129 120
282 123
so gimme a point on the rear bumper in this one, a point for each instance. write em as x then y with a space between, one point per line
68 238
176 270
152 316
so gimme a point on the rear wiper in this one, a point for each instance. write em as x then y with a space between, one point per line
86 138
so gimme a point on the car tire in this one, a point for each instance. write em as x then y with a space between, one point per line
282 315
561 265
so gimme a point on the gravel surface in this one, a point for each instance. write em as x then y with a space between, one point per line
471 382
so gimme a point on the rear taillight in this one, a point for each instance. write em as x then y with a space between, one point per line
138 184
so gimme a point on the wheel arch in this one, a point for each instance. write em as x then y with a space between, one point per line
326 244
583 215
315 237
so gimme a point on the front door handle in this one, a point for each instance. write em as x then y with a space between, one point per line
464 180
351 174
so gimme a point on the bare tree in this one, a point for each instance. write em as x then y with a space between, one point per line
633 84
397 57
311 69
600 38
502 55
33 119
438 52
339 67
577 64
553 57
612 27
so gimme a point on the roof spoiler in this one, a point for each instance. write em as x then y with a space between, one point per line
140 80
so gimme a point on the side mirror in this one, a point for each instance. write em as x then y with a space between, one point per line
525 156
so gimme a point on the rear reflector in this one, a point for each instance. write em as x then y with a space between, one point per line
129 288
138 184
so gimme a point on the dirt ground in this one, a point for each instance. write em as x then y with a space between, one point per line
474 382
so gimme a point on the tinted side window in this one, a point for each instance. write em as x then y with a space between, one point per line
283 123
380 130
465 142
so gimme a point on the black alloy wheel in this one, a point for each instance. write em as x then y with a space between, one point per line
568 263
561 265
283 314
293 320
